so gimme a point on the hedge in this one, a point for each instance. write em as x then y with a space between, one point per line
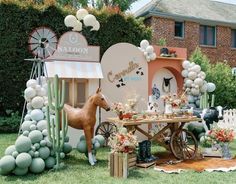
18 19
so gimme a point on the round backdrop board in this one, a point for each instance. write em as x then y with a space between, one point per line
125 72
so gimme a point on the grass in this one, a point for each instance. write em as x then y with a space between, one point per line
78 171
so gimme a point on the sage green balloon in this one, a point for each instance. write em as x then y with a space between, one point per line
42 125
36 154
7 164
26 133
100 139
44 152
23 160
15 154
26 125
82 146
62 155
82 137
45 132
20 171
50 162
97 145
37 165
37 146
23 144
33 127
35 136
31 152
10 150
67 148
67 139
43 143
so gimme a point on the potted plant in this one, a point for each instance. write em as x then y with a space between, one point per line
163 51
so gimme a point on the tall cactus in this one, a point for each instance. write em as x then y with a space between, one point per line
56 98
204 101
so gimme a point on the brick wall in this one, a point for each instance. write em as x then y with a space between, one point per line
164 28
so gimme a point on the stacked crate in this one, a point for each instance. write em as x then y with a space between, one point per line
120 163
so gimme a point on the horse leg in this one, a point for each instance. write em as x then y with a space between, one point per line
88 137
205 126
92 133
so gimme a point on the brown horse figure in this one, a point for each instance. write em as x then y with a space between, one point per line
85 118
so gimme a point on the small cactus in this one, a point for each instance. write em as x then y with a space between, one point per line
205 101
56 98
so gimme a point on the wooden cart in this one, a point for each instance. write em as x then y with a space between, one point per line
181 143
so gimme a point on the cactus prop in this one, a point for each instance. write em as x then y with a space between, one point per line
33 152
205 101
56 98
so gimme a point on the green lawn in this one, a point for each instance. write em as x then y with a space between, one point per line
79 171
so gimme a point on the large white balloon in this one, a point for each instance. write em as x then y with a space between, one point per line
197 68
195 92
153 56
81 13
192 75
198 81
184 73
89 20
144 44
31 83
96 26
186 64
78 26
189 83
70 21
202 75
211 87
150 49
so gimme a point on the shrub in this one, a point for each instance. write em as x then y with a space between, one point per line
220 74
10 124
19 18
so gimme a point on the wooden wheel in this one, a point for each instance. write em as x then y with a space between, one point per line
106 129
183 144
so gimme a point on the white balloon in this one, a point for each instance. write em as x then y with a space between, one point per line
96 26
189 83
31 83
186 64
29 93
211 87
203 89
192 75
89 20
148 58
70 21
184 73
202 75
153 56
81 13
37 102
191 99
144 44
78 27
195 92
150 49
197 68
198 81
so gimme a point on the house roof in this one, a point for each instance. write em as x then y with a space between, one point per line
203 11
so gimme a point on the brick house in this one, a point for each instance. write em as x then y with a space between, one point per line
208 24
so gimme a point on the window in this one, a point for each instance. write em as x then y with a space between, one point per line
179 29
233 38
207 35
76 92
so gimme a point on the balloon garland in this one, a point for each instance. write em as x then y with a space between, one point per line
195 84
32 151
147 50
82 15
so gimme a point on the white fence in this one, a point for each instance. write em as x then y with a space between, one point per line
229 120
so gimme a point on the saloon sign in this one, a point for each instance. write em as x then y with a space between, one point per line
73 46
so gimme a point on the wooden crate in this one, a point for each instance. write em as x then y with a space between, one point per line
120 163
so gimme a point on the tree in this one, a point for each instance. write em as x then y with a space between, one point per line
99 4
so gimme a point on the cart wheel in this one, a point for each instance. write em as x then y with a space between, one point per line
183 144
106 129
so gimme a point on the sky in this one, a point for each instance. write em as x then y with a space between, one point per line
141 3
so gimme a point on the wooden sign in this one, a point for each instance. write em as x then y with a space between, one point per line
73 46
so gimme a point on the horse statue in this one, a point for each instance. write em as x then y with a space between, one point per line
85 118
